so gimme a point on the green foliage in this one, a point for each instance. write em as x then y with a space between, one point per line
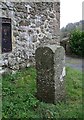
19 101
77 42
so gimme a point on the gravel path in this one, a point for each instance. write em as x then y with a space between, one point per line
75 63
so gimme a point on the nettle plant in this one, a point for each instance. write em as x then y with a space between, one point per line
77 42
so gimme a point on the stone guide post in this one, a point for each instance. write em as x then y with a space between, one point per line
50 73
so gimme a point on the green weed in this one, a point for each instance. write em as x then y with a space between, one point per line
19 101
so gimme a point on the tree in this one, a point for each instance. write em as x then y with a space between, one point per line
77 42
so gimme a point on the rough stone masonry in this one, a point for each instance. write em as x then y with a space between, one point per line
33 24
50 66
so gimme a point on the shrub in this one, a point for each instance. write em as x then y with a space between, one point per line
77 42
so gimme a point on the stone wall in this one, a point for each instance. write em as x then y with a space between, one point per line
33 24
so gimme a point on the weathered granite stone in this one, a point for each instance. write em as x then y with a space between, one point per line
50 73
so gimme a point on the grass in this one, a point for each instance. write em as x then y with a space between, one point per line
19 99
